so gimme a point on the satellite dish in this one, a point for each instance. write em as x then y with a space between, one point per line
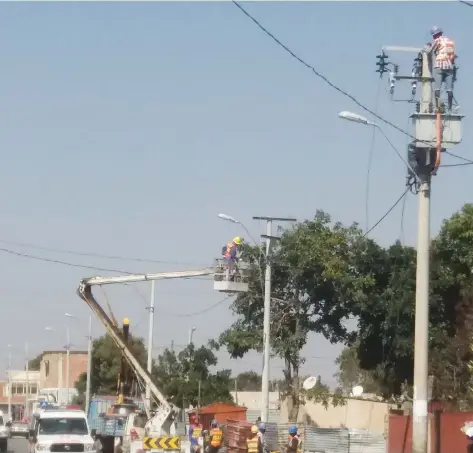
357 390
309 383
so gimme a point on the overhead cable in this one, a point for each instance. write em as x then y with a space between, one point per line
387 212
321 76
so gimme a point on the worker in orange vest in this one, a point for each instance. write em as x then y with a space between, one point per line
215 438
230 255
195 433
254 443
443 49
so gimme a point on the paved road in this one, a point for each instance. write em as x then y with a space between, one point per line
17 445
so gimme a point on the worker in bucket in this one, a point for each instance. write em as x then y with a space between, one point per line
230 256
293 445
443 49
215 438
195 433
253 443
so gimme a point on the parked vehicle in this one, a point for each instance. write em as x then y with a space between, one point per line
61 431
4 433
19 429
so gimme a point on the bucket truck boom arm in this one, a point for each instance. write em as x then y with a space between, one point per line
163 419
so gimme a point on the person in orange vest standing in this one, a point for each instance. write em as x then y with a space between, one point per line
254 443
195 433
293 446
215 438
443 49
230 255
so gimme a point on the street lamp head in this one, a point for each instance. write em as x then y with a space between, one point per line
49 329
350 116
229 218
69 315
194 328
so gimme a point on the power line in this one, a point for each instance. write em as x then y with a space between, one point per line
65 263
458 157
321 76
466 3
91 254
387 212
185 315
370 160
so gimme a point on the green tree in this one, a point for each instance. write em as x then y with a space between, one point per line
106 361
313 286
350 373
35 364
384 340
248 381
178 377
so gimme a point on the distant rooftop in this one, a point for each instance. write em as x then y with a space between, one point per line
63 351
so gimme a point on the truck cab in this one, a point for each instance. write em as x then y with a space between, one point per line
61 431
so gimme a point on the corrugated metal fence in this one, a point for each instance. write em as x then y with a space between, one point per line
319 440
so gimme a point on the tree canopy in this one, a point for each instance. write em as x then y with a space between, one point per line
106 361
314 287
180 375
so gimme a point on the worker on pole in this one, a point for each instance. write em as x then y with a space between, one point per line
443 48
215 438
230 256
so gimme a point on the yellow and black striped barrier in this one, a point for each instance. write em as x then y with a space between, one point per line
161 443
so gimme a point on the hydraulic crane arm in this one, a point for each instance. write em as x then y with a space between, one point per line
85 292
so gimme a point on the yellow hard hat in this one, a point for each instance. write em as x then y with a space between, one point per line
254 429
237 240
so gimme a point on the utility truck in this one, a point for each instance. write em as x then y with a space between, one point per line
159 432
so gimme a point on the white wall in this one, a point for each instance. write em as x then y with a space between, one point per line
356 414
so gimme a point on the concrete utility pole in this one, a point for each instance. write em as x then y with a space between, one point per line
27 386
89 367
267 312
150 342
9 383
421 337
430 138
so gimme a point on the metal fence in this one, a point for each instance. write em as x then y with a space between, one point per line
323 440
252 414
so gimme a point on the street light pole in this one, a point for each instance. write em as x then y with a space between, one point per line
68 362
150 342
89 367
267 313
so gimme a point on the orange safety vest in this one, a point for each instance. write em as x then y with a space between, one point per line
445 50
216 436
252 444
197 431
229 247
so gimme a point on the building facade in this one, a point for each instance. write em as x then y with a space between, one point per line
23 384
53 368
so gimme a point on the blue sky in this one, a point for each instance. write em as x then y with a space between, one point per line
126 127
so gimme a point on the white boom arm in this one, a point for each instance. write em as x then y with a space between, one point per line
165 412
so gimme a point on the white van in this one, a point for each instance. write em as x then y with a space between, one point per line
61 431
